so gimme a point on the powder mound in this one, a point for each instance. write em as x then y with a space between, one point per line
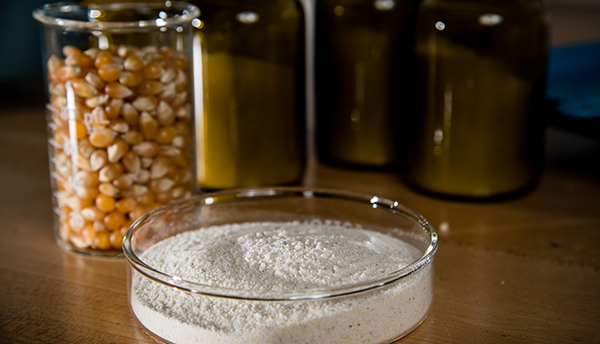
280 256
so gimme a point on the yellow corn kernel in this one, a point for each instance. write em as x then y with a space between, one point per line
133 63
168 150
83 89
178 192
150 87
160 185
142 176
165 135
163 197
92 52
66 73
131 162
117 150
86 193
125 51
124 181
105 203
119 126
92 214
145 103
116 240
80 130
93 79
82 162
152 71
103 57
130 114
114 220
107 189
116 90
145 199
131 78
133 137
84 147
110 72
179 141
113 109
110 172
102 240
85 179
148 126
146 149
160 167
77 203
168 94
99 226
164 113
184 112
92 102
168 75
125 205
102 137
98 159
146 162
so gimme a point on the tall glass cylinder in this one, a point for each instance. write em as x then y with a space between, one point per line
481 86
364 68
120 116
250 127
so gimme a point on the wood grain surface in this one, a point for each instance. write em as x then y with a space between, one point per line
523 270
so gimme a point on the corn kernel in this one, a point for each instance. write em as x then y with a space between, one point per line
125 205
160 167
83 89
145 103
130 114
145 199
110 172
105 203
107 189
133 63
133 137
92 214
148 126
164 113
93 79
165 135
103 57
116 90
142 176
85 179
110 72
146 149
124 181
102 240
150 87
116 240
152 71
102 137
117 150
98 160
131 162
114 220
131 78
160 185
119 126
113 109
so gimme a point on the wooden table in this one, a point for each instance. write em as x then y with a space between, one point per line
521 270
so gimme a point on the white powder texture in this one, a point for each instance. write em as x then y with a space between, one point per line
282 256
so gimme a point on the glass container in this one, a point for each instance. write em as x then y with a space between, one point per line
120 116
481 85
221 305
251 124
364 70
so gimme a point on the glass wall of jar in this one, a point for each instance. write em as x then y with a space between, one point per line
481 87
250 125
120 116
364 68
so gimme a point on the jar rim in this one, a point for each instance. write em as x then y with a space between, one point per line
50 14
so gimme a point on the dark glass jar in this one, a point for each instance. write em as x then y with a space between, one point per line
250 123
481 85
364 69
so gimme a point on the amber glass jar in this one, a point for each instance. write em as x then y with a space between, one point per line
250 122
481 85
364 78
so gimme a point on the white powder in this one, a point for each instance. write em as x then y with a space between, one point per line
271 256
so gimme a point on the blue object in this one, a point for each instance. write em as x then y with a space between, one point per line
574 88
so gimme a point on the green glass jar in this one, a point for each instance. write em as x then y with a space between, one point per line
250 123
481 86
364 69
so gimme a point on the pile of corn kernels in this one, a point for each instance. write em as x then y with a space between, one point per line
120 139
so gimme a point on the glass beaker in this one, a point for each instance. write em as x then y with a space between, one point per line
250 130
481 86
120 116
